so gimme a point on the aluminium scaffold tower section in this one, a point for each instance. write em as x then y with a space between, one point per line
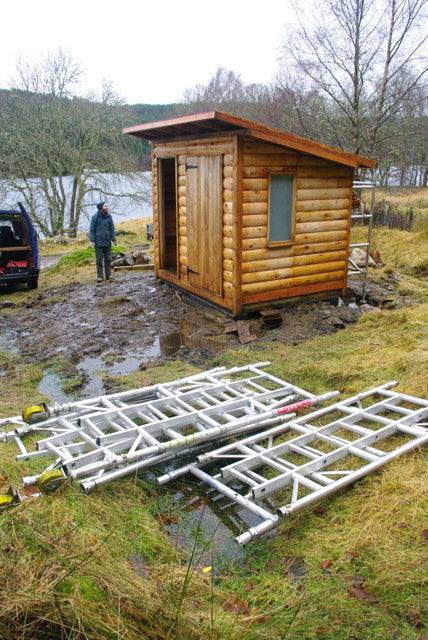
367 219
42 417
292 465
100 446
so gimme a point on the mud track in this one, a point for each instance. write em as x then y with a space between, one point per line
116 327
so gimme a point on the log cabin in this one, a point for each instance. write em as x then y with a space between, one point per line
245 215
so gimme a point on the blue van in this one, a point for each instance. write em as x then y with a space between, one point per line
19 254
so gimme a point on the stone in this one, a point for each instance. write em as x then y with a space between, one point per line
358 257
335 321
390 304
369 307
7 304
129 260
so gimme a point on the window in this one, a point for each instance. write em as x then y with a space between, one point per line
281 208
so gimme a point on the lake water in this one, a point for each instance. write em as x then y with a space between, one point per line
129 196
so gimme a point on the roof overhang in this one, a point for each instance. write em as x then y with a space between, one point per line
216 122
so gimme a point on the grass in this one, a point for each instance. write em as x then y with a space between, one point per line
402 252
66 568
129 233
405 197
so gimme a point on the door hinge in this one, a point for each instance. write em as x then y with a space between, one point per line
191 166
189 270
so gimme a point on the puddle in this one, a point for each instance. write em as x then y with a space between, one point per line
210 518
51 386
206 530
8 343
94 366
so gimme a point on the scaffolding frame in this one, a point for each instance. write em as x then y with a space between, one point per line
258 469
359 214
102 439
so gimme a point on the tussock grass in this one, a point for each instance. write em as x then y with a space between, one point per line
100 566
403 198
402 250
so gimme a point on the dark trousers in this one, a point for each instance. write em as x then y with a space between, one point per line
103 258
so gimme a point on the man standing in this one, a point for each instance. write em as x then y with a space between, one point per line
102 234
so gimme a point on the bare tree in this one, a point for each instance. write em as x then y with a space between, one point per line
57 148
225 87
364 57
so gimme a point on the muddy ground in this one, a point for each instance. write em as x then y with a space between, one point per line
85 333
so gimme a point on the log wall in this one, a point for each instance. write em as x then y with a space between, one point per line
316 260
253 272
225 146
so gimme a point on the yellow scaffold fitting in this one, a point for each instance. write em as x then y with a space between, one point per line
6 501
51 480
33 413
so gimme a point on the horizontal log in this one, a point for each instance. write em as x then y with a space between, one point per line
292 282
255 172
182 260
255 184
192 143
229 254
269 160
227 172
253 146
227 195
323 183
323 194
315 216
251 208
293 261
228 159
254 220
254 243
181 190
292 272
293 292
182 181
228 287
322 205
254 232
228 242
324 172
228 265
228 183
182 210
228 276
227 207
182 201
228 219
325 225
315 161
181 170
182 250
228 231
325 236
260 195
189 151
182 221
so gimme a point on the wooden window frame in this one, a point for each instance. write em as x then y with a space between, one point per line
283 243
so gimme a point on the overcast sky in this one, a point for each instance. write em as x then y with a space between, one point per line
150 50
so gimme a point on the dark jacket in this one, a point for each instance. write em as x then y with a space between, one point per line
101 230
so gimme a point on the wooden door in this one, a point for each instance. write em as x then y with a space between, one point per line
204 222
